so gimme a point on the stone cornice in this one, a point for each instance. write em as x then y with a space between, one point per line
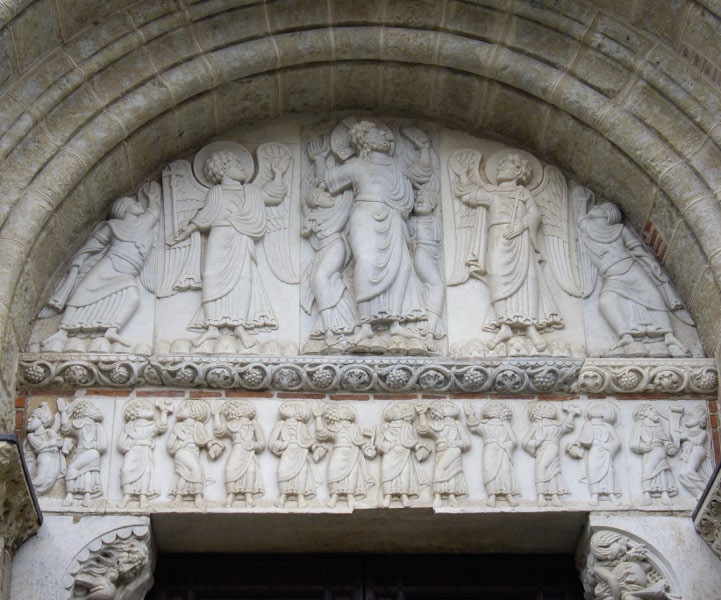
20 515
373 374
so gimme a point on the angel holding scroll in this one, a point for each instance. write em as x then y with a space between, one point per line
507 227
237 214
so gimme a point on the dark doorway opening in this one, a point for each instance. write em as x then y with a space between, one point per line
365 577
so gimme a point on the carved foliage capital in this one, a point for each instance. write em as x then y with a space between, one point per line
118 564
619 566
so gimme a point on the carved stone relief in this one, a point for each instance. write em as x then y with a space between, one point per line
116 566
330 454
364 236
618 567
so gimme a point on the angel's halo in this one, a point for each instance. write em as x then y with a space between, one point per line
245 157
497 157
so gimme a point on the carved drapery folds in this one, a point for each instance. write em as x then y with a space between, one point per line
208 454
364 236
619 567
115 566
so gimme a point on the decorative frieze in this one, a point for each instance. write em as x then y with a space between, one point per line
331 453
378 374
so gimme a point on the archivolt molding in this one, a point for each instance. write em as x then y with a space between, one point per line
707 516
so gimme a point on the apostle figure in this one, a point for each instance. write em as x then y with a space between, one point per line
84 423
187 444
397 442
499 441
136 443
236 419
543 442
693 471
636 297
650 439
451 440
46 444
348 473
100 292
599 443
292 441
386 289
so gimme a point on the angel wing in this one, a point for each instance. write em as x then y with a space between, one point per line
559 243
177 263
468 223
282 260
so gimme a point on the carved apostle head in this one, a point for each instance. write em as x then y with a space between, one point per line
540 411
335 413
83 409
441 409
497 410
294 409
224 164
138 408
646 411
193 409
40 417
399 412
235 410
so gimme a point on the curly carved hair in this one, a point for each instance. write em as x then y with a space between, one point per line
542 410
523 166
216 165
442 409
646 411
400 412
497 410
335 413
134 407
233 410
85 409
193 409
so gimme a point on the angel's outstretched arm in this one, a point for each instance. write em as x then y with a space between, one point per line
275 189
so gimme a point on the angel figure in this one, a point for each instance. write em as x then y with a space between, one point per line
292 441
543 442
236 419
446 430
499 241
236 214
636 298
385 285
83 421
499 441
426 231
136 443
348 473
599 443
694 470
100 293
324 226
46 443
187 440
650 439
402 452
